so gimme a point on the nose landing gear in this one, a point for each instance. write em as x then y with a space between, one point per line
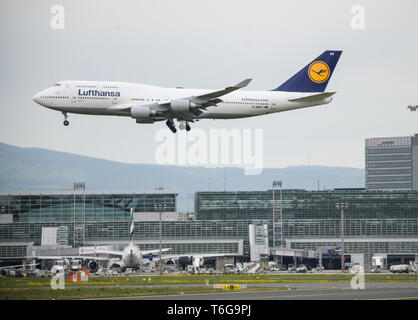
66 122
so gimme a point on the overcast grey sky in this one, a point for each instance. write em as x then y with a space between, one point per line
212 44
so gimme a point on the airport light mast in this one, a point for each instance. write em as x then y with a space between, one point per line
160 207
341 206
275 184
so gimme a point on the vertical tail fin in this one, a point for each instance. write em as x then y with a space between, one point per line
315 76
131 224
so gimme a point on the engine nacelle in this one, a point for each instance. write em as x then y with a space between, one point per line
145 120
92 265
142 112
4 272
182 105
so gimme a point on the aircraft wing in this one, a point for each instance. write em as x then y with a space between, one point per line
207 97
202 102
69 257
155 251
115 253
204 255
19 266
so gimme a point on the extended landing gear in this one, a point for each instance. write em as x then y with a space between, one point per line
170 124
66 122
184 125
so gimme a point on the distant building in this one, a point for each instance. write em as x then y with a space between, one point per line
392 163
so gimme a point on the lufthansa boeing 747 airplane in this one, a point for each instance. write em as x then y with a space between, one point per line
148 104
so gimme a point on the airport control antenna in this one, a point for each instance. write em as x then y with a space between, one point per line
413 108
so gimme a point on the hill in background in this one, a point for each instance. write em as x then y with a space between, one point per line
34 169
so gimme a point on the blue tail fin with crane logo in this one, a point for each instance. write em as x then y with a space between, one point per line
315 76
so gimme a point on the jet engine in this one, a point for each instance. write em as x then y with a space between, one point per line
92 265
142 112
182 105
4 272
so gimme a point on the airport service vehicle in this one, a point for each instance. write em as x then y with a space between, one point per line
302 269
377 264
76 264
399 268
100 272
11 271
273 266
149 104
59 266
291 268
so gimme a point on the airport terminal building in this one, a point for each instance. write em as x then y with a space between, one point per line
375 222
79 218
230 223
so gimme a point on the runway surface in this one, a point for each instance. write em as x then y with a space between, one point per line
307 291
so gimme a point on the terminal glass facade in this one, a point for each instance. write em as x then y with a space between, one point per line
63 207
373 220
104 219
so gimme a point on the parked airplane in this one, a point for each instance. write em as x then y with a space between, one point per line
131 256
149 104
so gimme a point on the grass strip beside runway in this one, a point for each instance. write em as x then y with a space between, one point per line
109 292
124 280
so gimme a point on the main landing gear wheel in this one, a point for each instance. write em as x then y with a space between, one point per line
184 125
66 122
170 124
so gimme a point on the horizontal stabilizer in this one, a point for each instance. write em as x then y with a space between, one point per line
314 97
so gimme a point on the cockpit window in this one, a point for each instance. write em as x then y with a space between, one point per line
57 85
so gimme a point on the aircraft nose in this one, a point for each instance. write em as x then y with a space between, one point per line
36 98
